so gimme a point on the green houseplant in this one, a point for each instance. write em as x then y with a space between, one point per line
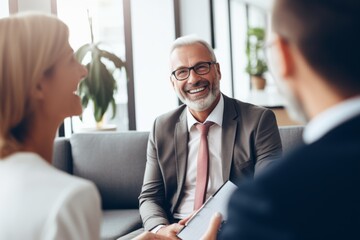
99 86
256 63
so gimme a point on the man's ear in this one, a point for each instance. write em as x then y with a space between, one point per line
218 70
285 57
172 81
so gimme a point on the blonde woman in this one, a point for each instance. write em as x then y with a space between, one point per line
38 78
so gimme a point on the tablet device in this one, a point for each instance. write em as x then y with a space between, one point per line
199 222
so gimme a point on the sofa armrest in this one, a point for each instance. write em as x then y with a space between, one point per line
62 158
291 136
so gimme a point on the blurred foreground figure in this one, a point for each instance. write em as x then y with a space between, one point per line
313 193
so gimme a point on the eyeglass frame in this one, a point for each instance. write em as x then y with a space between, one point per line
192 68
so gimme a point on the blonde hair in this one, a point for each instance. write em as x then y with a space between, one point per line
30 44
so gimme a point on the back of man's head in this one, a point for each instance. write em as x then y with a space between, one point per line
327 34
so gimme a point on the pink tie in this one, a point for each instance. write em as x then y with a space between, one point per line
202 171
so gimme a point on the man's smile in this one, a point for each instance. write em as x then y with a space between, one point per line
192 91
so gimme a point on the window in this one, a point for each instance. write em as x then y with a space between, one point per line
108 28
245 14
4 8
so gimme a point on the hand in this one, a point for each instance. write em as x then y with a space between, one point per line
185 220
213 228
170 231
151 236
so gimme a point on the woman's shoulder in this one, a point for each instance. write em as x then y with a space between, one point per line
35 171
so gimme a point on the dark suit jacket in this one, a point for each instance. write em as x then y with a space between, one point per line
314 193
250 140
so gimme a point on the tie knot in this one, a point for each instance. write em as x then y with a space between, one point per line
204 128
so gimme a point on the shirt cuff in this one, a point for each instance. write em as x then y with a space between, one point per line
157 228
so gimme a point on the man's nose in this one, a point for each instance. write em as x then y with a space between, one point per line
193 76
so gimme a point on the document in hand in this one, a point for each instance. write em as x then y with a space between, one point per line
198 224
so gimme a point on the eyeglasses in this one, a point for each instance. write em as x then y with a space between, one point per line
200 69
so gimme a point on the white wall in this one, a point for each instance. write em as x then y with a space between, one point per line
195 18
35 5
153 32
222 44
239 31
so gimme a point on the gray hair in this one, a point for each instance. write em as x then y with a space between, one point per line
190 40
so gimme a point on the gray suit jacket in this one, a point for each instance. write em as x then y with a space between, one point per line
250 140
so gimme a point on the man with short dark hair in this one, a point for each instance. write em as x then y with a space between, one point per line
314 192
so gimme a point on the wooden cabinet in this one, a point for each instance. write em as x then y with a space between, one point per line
271 99
282 117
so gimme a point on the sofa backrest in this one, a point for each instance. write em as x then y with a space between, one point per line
115 161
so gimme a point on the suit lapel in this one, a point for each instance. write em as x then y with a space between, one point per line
228 136
181 140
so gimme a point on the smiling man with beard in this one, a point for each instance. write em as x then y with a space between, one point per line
242 139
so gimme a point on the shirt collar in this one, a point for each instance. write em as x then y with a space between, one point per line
331 118
216 116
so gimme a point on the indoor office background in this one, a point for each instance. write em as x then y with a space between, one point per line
141 32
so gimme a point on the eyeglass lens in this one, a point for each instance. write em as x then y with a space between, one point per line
201 69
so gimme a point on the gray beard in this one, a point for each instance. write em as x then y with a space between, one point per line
201 104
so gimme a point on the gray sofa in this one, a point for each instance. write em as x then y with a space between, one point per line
115 162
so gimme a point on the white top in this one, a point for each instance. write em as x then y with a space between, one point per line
186 207
330 119
38 202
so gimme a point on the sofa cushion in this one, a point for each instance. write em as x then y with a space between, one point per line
117 223
114 162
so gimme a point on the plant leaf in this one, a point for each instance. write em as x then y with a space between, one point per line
82 51
113 58
99 86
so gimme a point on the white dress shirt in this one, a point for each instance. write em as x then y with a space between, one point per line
330 119
40 202
186 206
